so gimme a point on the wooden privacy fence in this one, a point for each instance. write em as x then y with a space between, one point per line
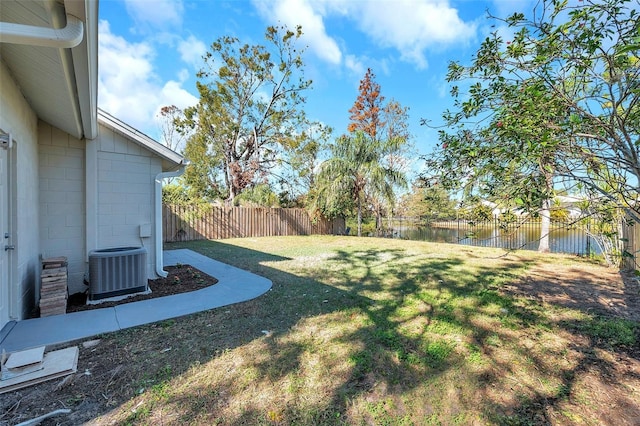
631 241
188 223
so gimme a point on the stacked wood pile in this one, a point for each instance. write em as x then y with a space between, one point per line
53 288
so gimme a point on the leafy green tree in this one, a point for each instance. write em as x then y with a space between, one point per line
177 194
478 213
557 104
398 150
298 170
513 159
431 202
204 174
560 214
260 195
174 194
353 168
249 117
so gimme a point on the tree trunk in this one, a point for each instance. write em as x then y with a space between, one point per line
359 216
232 195
545 226
545 212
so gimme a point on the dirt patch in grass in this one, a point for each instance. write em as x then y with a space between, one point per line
605 365
180 279
603 291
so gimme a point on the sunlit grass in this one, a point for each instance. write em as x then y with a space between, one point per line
371 331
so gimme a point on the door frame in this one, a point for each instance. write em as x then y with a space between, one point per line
5 212
12 311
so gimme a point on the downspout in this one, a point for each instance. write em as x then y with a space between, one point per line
158 216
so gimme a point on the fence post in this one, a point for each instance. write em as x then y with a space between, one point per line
588 242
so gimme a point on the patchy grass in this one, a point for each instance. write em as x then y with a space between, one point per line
385 332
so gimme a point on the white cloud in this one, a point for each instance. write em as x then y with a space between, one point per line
355 65
129 87
409 26
156 14
173 91
301 12
191 51
184 74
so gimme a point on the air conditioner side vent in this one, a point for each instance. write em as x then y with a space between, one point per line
117 271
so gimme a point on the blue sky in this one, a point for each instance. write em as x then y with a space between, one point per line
150 51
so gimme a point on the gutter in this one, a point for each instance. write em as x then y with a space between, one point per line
63 38
158 215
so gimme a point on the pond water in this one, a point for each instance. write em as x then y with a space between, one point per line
562 239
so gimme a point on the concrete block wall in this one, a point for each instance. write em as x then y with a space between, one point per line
126 175
62 200
17 118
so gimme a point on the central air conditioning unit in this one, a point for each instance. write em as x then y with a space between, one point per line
117 271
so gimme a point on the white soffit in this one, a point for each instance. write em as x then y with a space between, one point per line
60 84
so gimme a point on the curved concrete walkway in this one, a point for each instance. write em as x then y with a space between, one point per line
234 285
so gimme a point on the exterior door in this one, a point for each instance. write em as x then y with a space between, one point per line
4 230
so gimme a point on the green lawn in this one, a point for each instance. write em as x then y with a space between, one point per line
384 332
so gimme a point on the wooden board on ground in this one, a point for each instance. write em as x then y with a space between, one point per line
21 363
23 358
54 364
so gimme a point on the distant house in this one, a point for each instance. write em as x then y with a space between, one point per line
569 203
72 178
495 210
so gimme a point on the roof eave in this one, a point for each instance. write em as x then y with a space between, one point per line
173 158
85 65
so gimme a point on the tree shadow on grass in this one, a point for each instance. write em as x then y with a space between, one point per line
378 325
403 358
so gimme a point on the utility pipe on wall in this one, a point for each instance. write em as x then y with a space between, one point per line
158 219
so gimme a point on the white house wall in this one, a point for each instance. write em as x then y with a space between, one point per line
62 201
126 175
17 118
